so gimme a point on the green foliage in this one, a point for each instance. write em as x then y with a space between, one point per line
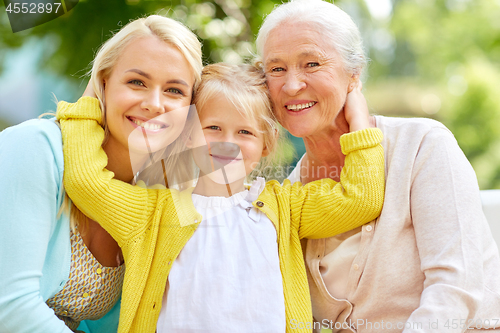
434 58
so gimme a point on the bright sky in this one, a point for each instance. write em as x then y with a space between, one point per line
380 9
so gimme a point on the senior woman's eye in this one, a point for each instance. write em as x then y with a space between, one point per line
312 64
277 69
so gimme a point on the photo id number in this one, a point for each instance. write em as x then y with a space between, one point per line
32 8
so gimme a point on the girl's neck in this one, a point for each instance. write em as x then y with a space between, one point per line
209 188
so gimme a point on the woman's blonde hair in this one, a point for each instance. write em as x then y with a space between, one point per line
245 87
166 29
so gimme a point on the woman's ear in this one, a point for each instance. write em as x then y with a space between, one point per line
353 82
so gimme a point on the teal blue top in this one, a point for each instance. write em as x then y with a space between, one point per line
35 244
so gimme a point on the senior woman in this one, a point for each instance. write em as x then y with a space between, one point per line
429 262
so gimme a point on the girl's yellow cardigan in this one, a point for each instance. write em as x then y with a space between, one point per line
152 232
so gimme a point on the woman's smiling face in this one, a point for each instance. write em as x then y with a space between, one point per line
306 78
147 94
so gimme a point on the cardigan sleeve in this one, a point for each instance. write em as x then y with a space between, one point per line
449 231
30 187
326 208
122 209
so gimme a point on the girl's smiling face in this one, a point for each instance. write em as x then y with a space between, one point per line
149 90
229 141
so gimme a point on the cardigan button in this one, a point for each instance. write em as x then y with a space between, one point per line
368 228
260 204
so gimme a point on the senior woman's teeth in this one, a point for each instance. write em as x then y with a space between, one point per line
299 107
147 126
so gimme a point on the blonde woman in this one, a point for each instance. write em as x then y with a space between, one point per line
58 268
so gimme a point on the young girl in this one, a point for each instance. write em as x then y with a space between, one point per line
243 269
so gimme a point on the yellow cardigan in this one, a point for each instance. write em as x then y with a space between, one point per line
151 232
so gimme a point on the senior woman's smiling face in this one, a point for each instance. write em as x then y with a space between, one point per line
306 78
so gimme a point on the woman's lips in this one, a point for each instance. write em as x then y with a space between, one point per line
150 126
299 107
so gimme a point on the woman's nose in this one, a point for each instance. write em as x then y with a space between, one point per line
294 83
153 102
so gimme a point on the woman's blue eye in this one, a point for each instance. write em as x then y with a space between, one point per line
312 64
277 69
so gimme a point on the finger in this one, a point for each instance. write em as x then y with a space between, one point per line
89 90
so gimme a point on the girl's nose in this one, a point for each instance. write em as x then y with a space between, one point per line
229 147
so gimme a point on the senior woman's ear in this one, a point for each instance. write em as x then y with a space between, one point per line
353 82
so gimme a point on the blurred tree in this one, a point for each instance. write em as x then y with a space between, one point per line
434 58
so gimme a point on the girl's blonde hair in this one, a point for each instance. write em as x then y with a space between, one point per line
166 29
245 87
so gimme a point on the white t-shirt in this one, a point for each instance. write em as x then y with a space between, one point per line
227 278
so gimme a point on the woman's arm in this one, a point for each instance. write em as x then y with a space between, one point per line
327 208
449 230
119 207
31 167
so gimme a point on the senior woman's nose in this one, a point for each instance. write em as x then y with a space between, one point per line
152 102
294 83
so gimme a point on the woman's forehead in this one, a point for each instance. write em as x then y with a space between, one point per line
304 39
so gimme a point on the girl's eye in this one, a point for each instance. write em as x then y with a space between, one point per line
245 132
213 127
175 91
312 64
136 82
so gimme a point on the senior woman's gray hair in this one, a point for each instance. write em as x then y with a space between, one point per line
334 24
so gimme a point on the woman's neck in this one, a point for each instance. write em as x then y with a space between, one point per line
118 161
324 157
208 188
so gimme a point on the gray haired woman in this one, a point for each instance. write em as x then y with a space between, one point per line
429 262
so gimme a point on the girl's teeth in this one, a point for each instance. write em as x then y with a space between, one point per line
298 107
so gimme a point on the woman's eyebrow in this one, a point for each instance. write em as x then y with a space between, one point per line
147 76
138 71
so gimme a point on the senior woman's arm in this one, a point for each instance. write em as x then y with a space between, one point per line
449 229
119 207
